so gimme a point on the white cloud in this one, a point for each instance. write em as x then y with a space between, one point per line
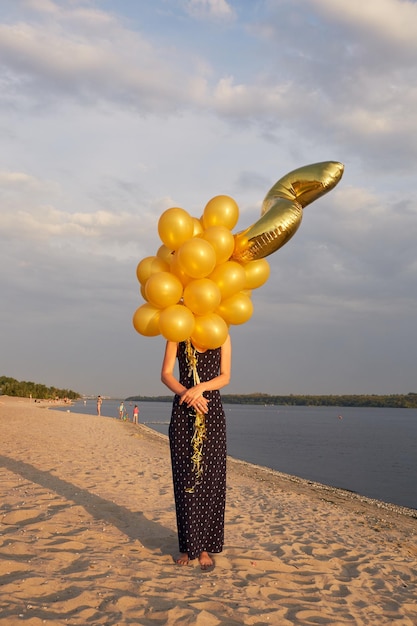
365 104
109 118
246 101
390 21
27 215
120 235
42 6
212 9
12 180
47 61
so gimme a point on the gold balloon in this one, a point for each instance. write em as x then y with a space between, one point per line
237 309
210 331
230 277
305 184
177 270
165 254
202 296
197 227
269 233
174 227
257 273
150 265
163 289
221 211
176 323
197 257
282 209
222 241
146 320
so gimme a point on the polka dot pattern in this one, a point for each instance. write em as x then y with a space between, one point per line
200 515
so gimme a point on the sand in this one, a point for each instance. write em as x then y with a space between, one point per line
88 536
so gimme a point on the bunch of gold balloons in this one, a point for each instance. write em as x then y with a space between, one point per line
192 286
201 278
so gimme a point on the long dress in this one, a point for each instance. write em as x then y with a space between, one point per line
200 514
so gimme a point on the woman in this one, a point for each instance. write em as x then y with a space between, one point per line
199 476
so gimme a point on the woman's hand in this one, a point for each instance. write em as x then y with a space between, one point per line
193 397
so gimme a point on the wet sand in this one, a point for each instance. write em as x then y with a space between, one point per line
88 536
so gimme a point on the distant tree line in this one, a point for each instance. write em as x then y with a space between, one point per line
396 401
25 389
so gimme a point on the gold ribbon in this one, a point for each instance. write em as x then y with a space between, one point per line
199 434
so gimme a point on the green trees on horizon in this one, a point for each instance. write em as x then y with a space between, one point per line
396 401
25 389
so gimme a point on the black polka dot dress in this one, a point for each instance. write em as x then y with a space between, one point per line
200 515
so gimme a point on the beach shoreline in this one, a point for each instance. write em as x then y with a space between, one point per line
260 472
88 536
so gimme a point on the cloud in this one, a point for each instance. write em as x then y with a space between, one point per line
379 22
42 6
14 181
26 218
87 56
210 9
109 117
351 89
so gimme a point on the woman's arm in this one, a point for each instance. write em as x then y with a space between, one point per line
168 378
192 395
167 372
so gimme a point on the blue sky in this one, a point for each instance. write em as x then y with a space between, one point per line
112 112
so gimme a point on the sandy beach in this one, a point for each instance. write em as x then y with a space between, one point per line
88 536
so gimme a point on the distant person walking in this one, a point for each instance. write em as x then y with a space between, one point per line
136 414
121 411
99 403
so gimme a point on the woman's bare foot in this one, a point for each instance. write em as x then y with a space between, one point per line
182 559
205 560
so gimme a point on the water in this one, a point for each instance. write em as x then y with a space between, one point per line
368 451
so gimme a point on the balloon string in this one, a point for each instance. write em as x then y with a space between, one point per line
199 433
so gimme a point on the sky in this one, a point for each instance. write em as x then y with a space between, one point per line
112 112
